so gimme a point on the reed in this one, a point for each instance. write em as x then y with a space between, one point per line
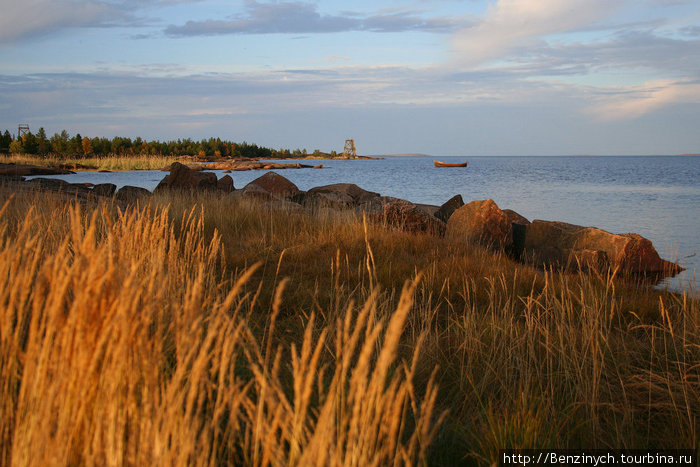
95 163
126 342
209 331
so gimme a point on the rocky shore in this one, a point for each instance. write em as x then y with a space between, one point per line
243 165
547 244
18 170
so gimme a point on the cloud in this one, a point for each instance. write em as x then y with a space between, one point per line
617 103
638 52
515 24
491 111
691 31
304 18
23 19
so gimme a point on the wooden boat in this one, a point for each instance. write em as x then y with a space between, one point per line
447 164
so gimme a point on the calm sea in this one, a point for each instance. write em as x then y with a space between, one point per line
656 197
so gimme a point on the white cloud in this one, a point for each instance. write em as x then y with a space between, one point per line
624 103
22 19
512 24
297 17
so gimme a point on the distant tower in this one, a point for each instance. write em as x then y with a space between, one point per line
349 150
22 129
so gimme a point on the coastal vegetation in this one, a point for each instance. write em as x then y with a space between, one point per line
64 146
203 329
94 163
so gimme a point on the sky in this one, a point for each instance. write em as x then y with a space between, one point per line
440 77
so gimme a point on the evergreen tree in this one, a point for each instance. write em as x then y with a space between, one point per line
5 141
59 143
29 143
43 146
75 144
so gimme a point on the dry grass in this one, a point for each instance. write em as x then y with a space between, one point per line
246 334
124 342
95 163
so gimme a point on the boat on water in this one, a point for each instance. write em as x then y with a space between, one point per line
448 164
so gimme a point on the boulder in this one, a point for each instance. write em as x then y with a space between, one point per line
27 169
225 184
515 218
429 208
447 209
253 192
54 184
10 178
282 205
409 217
558 243
48 183
131 194
632 253
273 185
320 199
590 260
347 191
182 177
481 222
104 189
518 224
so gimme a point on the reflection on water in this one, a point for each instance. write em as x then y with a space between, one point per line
656 197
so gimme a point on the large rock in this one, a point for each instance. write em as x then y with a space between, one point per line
481 222
345 192
518 224
10 178
429 208
409 217
54 184
104 189
447 209
182 177
272 185
225 184
320 199
131 194
590 260
559 243
26 169
515 218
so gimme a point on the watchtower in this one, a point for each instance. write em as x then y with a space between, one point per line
349 150
22 129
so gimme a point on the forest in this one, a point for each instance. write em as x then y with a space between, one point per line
64 145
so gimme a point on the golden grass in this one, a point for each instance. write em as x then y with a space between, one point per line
95 163
202 331
125 343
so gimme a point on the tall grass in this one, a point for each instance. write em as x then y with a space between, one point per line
95 163
199 330
125 342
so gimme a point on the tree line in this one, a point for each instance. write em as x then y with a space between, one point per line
64 145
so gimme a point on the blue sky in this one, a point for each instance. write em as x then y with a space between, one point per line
500 77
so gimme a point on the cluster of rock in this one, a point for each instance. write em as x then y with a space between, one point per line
82 191
556 244
544 243
242 165
19 170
